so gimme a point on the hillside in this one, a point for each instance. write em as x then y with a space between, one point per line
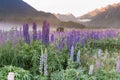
19 11
108 16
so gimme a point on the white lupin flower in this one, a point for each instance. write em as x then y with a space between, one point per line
99 53
91 69
78 57
41 62
45 63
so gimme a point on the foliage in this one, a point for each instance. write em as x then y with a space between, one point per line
97 48
20 74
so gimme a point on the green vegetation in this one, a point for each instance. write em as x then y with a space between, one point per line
24 61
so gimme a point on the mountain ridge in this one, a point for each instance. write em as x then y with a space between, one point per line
108 16
18 10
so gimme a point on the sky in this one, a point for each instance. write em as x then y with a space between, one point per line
76 7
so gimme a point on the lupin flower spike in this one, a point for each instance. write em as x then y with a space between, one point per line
78 57
72 53
91 69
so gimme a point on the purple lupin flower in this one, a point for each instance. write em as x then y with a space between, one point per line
75 40
34 31
78 57
83 42
5 36
69 41
45 33
118 66
39 35
62 44
52 37
72 53
26 33
0 37
15 37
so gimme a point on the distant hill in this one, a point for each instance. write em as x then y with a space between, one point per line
108 16
66 17
18 10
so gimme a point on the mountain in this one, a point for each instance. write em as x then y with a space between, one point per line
91 14
108 16
66 17
18 10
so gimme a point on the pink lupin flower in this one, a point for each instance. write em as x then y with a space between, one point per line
11 76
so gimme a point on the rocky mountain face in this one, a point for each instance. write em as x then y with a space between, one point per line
66 17
108 16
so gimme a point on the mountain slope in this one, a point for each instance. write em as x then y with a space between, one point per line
92 13
18 10
66 17
108 16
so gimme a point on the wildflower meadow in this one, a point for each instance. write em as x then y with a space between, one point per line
84 54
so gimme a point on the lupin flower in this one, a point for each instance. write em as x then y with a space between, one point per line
5 36
15 37
41 62
91 69
39 35
118 66
45 63
97 63
78 57
26 33
34 31
11 76
45 33
0 36
61 44
69 41
83 42
72 53
99 52
20 33
52 37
